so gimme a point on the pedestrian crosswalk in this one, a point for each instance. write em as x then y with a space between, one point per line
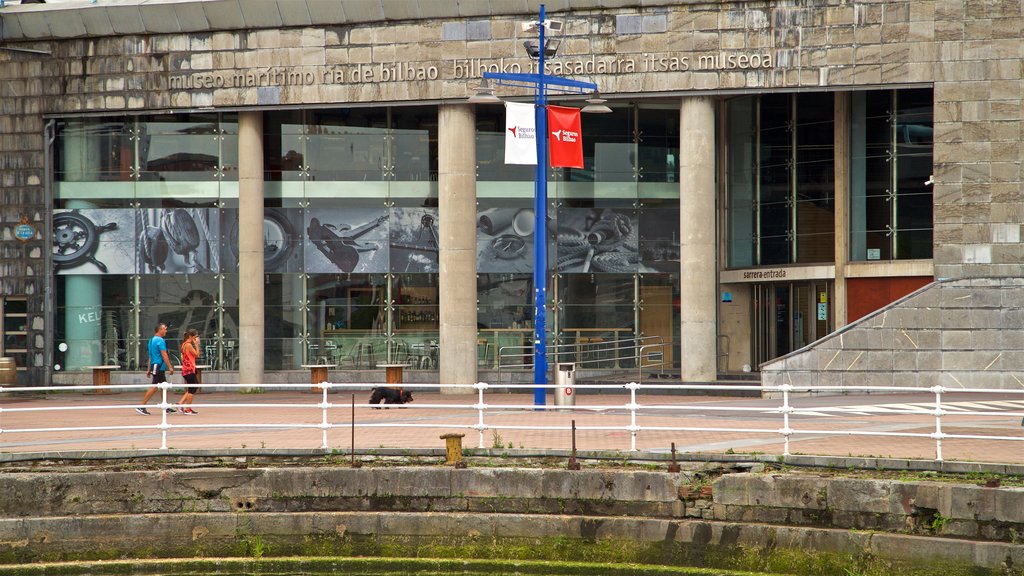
924 408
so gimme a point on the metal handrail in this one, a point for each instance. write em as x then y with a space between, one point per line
553 352
785 410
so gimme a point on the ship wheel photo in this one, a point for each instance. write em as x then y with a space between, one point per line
76 239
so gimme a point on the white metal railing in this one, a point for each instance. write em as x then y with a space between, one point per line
623 354
785 410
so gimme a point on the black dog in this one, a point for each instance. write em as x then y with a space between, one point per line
390 396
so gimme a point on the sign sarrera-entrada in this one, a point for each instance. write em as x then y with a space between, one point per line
467 68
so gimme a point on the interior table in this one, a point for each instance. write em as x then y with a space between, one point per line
101 377
318 373
392 373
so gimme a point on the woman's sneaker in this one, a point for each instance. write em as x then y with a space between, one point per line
142 411
188 411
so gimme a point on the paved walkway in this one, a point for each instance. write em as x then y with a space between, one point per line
831 426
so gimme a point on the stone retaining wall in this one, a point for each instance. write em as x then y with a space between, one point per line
215 511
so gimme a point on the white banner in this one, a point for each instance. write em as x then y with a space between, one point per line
520 133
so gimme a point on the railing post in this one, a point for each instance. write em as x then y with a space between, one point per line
640 363
353 453
323 407
938 422
786 409
480 387
163 414
632 407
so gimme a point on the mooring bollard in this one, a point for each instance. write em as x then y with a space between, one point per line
453 449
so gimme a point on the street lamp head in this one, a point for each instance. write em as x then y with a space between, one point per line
484 94
595 105
550 47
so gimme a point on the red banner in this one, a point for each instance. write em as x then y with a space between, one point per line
565 140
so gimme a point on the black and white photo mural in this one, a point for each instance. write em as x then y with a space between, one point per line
178 240
346 240
598 240
505 240
414 240
282 240
94 241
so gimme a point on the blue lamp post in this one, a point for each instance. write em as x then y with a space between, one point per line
541 83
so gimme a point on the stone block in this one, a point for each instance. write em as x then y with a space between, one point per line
784 492
858 495
938 550
880 360
957 339
1009 504
909 498
972 502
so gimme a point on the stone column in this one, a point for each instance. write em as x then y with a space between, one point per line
250 248
842 203
457 200
698 284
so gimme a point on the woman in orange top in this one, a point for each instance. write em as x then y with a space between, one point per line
189 352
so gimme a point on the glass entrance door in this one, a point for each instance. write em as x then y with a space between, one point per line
788 316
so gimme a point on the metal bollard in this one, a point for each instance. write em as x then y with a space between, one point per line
674 466
453 449
573 464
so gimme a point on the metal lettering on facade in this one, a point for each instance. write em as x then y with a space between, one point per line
764 274
465 68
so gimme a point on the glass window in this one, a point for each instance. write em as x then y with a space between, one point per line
350 234
504 318
815 178
775 171
284 145
609 158
347 144
416 320
741 184
891 159
96 321
658 148
658 235
283 323
780 187
413 144
659 319
347 318
95 160
913 217
182 147
596 312
491 168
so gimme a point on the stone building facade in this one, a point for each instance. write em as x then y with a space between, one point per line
698 60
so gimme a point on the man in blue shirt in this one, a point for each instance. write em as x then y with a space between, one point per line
159 365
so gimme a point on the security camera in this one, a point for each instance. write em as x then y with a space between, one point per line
930 181
549 25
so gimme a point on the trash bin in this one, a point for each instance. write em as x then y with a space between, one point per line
565 384
8 372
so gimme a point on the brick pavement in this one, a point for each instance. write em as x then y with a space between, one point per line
218 426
